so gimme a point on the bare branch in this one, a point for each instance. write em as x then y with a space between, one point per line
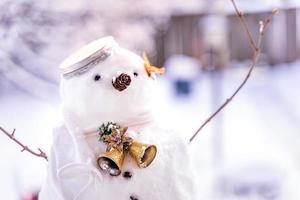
41 153
13 133
245 25
256 53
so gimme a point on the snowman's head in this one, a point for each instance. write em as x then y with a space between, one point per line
103 82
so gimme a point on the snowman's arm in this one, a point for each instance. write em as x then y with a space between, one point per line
257 47
11 135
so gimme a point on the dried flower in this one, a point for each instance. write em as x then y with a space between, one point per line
117 139
152 69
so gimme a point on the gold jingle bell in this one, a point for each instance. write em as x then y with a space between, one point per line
111 161
143 154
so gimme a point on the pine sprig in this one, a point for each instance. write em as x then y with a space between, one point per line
106 129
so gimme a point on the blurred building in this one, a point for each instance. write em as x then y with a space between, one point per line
216 38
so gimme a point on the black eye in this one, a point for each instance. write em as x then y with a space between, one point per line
135 74
97 77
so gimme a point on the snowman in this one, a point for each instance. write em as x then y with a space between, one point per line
109 146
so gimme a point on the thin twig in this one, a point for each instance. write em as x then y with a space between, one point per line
41 153
245 25
257 50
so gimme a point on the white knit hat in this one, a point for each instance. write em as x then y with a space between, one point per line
86 57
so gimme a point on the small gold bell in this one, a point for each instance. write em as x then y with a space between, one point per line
143 154
111 161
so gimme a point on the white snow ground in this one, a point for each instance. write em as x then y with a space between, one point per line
255 141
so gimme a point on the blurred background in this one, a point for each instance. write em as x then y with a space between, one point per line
249 151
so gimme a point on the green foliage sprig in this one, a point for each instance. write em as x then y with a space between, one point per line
106 129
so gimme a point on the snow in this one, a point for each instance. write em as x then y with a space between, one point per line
21 173
259 128
36 37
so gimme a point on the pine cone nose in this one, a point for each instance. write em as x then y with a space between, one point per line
121 82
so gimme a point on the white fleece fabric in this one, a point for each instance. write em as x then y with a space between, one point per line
73 173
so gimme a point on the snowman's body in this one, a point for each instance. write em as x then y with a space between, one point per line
89 101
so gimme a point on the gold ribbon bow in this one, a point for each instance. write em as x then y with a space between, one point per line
118 144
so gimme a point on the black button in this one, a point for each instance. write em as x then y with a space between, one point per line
132 197
127 174
97 77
